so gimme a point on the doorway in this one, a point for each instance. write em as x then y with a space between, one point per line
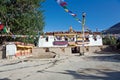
75 50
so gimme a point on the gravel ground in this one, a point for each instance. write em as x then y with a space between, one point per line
64 67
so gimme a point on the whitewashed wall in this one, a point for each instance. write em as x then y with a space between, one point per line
97 42
11 49
43 43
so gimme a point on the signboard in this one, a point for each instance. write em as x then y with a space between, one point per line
11 49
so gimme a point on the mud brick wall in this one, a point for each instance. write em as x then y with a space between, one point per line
61 50
0 54
68 51
36 51
95 49
56 50
108 48
90 49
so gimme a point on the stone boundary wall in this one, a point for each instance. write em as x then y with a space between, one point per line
1 54
55 50
68 51
91 49
96 49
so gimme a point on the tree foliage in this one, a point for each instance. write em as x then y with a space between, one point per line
23 17
109 40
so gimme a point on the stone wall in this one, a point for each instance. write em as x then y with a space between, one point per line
58 50
37 51
92 49
96 49
0 54
52 51
68 51
61 50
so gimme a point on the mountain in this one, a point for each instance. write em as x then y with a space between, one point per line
115 29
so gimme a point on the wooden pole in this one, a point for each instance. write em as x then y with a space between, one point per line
83 33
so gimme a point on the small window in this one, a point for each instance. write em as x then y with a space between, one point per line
95 38
46 39
66 39
87 39
47 50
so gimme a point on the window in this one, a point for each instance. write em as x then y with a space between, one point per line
46 39
95 38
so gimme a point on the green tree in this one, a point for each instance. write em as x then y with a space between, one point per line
109 40
23 17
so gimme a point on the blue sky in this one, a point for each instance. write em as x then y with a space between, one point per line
100 14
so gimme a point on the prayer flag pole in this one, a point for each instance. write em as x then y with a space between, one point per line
83 31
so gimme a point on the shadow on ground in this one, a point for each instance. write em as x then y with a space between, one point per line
5 79
90 74
108 57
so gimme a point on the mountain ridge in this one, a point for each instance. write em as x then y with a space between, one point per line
115 29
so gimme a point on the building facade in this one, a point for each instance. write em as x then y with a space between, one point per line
70 38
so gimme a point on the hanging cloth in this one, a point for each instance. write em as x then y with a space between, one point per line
1 26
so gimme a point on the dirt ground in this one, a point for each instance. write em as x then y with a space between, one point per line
63 67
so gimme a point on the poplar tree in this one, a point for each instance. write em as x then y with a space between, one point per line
23 17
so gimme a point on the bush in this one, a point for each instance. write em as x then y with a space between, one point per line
109 40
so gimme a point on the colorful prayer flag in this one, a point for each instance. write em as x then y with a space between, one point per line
66 10
63 4
1 26
5 29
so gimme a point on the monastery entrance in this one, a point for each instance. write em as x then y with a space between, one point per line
75 50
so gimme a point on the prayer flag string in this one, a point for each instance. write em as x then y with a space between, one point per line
63 4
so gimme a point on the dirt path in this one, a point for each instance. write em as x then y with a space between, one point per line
88 67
